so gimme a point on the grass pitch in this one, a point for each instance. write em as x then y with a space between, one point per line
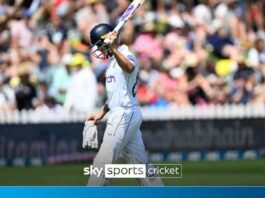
243 172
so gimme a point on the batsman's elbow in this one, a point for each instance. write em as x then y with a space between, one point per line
130 70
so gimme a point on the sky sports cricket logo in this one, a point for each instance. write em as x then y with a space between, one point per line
136 170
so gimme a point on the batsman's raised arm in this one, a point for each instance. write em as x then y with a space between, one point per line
122 61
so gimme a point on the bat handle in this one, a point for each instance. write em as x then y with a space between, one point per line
119 26
116 29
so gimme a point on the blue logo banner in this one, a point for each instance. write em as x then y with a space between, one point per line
133 192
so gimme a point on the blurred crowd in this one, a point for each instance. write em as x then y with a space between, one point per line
191 52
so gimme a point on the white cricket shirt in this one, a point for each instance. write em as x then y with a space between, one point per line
121 86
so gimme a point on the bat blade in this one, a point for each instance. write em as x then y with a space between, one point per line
127 15
131 9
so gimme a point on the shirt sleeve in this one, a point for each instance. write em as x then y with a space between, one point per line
132 59
130 56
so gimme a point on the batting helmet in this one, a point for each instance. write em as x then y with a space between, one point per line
101 50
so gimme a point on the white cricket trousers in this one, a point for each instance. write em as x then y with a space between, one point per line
122 135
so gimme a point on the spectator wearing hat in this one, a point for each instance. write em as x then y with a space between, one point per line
82 94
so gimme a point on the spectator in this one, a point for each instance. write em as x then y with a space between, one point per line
25 93
82 92
7 96
256 55
244 85
60 79
50 109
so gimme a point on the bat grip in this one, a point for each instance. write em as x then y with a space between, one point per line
116 29
107 41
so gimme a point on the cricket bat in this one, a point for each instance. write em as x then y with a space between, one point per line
127 15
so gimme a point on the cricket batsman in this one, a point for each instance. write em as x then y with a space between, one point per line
122 134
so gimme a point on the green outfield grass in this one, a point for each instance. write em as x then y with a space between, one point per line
194 173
